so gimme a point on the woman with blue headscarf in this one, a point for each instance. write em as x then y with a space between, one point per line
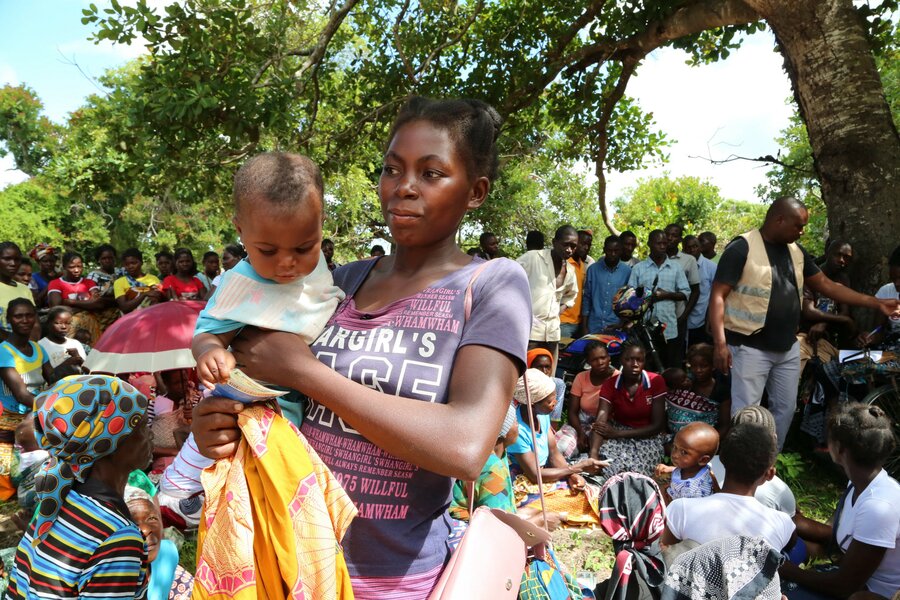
82 542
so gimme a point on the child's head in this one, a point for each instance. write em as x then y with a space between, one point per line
59 320
23 274
676 379
25 435
700 362
862 433
749 449
184 262
278 211
83 336
694 446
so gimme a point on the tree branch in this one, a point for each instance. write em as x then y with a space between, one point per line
395 29
318 51
768 159
687 20
602 129
450 42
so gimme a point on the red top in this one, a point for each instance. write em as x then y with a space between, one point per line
633 411
77 290
191 290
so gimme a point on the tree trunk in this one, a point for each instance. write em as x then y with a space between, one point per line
854 141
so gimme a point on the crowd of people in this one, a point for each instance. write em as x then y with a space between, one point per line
419 386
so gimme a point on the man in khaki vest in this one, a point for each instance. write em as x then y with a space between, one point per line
754 310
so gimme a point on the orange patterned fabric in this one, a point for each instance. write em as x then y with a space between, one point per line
273 520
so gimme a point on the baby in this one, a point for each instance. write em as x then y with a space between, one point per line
284 283
676 379
694 446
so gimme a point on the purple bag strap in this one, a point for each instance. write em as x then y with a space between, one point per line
537 466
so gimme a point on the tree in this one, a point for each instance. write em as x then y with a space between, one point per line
29 136
697 205
558 71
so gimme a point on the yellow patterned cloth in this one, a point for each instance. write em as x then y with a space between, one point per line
273 520
580 508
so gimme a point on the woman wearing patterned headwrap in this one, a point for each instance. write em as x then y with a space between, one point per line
82 542
46 257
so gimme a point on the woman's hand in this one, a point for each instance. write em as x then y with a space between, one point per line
583 441
591 466
576 483
275 357
605 430
215 427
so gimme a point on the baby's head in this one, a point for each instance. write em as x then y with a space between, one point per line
676 379
750 447
694 446
278 210
25 435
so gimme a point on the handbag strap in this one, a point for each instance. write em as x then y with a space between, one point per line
537 466
467 312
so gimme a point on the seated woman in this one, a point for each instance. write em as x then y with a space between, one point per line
632 417
168 579
584 400
136 289
80 294
542 360
553 466
866 525
24 369
82 542
708 395
184 283
172 416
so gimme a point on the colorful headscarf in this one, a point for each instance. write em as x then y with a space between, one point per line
539 387
79 420
42 250
533 354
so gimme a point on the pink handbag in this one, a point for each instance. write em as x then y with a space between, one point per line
490 560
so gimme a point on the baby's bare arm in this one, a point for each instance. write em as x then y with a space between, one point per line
214 362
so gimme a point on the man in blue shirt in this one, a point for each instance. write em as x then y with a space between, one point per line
602 281
667 279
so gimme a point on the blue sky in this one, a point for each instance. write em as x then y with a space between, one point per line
735 106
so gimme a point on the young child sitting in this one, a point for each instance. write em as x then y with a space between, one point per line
284 284
748 453
694 446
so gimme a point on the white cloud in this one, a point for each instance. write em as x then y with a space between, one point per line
8 173
8 75
736 106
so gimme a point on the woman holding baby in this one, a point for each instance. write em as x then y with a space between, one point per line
411 378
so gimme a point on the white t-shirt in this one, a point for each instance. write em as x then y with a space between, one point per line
889 292
774 493
722 515
58 353
874 519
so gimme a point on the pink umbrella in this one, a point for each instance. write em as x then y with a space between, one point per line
156 338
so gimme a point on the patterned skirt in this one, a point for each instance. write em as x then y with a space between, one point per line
635 455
